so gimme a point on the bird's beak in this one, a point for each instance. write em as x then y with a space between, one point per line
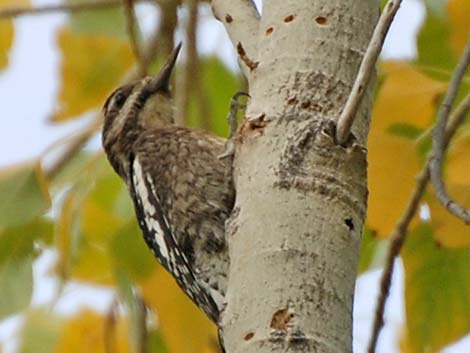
161 81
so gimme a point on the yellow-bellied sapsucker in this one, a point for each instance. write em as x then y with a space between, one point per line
181 192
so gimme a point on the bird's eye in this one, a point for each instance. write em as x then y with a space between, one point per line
119 100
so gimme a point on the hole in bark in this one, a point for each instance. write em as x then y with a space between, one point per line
321 20
261 117
228 18
253 127
349 223
269 31
280 319
249 336
289 18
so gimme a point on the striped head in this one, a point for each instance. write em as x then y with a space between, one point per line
133 108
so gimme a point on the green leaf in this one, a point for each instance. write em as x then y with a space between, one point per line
18 242
105 212
110 21
437 7
23 195
220 84
434 51
16 257
407 131
40 332
156 343
437 292
72 170
107 190
373 252
130 254
16 285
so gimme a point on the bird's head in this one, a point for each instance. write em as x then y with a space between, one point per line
137 106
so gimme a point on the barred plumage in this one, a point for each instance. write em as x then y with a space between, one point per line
181 191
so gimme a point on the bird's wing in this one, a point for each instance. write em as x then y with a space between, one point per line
161 240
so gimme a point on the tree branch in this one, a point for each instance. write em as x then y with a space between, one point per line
438 145
190 71
133 33
46 9
286 130
241 20
366 69
397 239
399 233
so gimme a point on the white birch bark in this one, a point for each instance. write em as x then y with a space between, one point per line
294 236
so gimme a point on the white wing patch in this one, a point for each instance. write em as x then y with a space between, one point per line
149 209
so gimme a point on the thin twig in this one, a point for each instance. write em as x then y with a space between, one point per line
457 118
194 69
464 107
73 148
438 140
366 69
232 117
10 12
168 25
110 328
133 33
396 243
190 72
397 238
142 339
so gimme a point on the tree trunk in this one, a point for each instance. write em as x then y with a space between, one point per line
294 236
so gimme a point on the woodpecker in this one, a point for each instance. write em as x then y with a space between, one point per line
181 192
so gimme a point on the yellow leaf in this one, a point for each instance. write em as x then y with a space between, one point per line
448 230
98 224
393 165
459 14
6 31
93 260
40 331
457 170
184 327
407 96
92 66
6 41
13 3
88 332
404 341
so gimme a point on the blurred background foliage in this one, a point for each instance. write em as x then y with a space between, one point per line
77 208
